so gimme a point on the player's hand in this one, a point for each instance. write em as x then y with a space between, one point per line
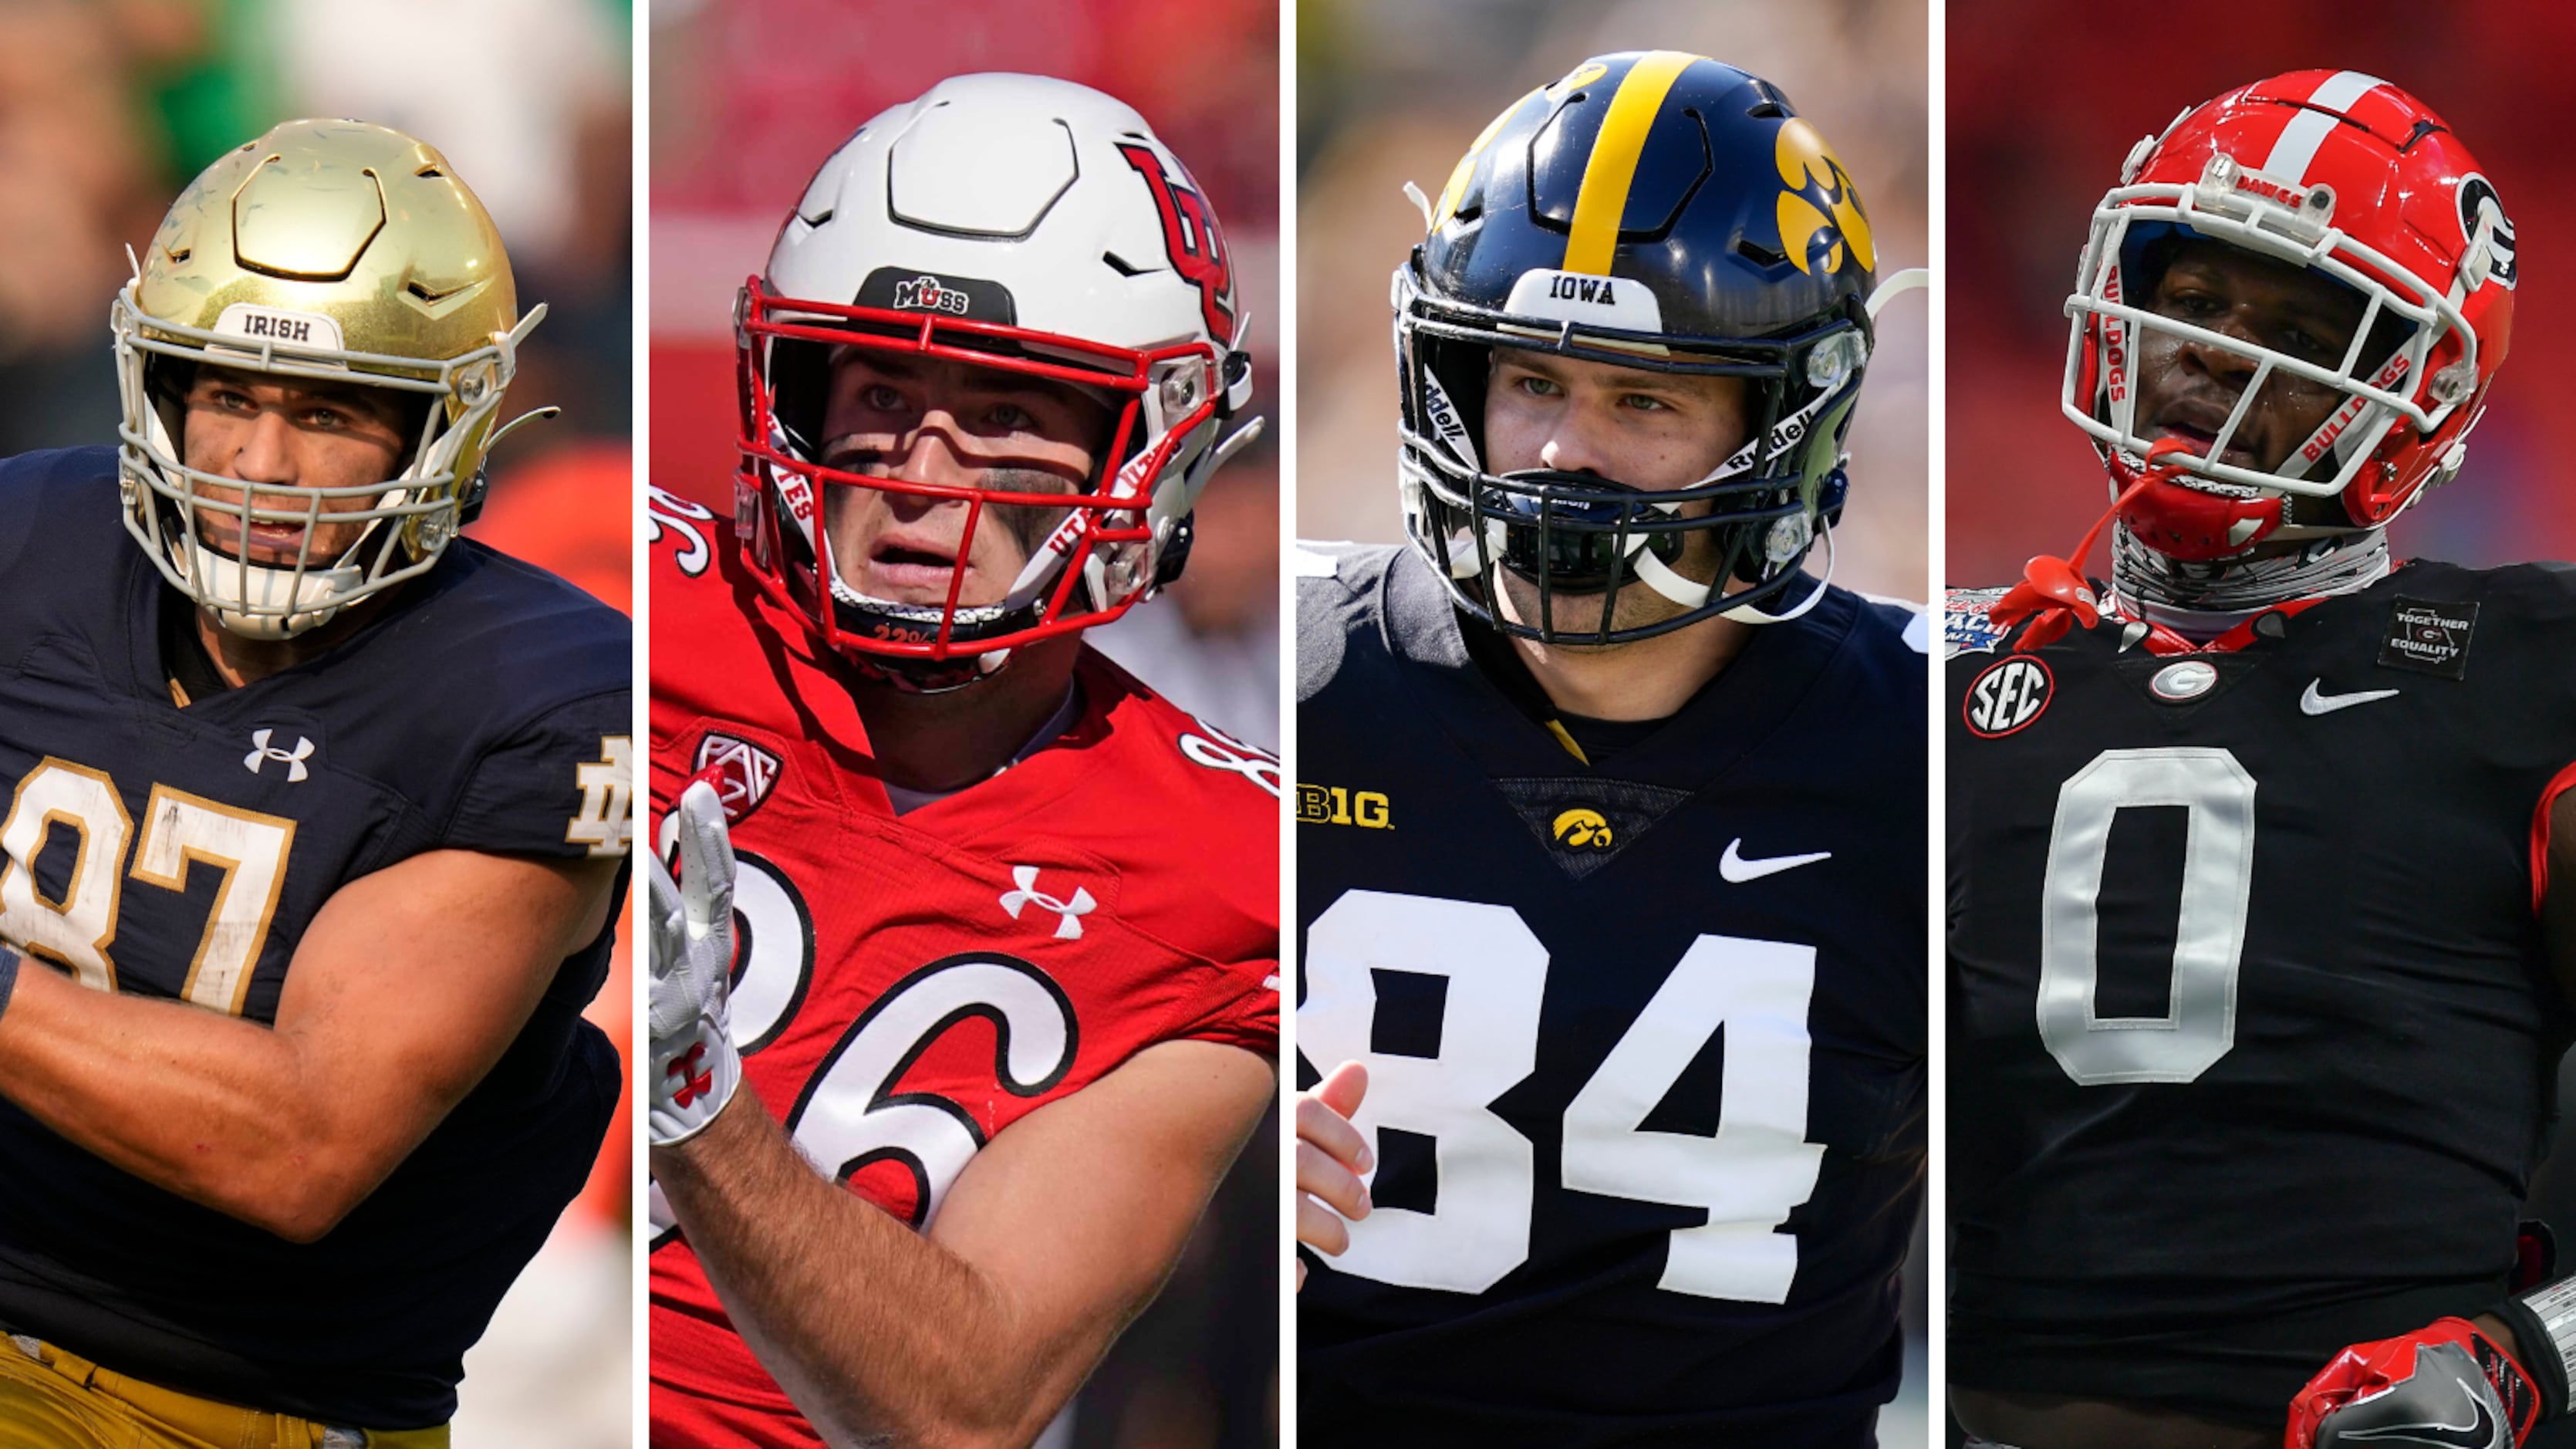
2447 1383
695 1068
1331 1159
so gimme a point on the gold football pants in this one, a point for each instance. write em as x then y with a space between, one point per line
51 1399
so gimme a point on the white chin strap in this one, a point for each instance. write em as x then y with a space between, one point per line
281 603
1689 593
1896 284
1752 613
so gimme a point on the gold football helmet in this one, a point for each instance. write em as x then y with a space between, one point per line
330 251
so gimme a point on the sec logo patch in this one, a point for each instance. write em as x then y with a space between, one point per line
2007 696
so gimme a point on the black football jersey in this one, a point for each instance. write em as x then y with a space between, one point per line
2251 1032
179 854
1645 1039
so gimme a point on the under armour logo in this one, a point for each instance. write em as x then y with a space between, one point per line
261 752
693 1082
1072 911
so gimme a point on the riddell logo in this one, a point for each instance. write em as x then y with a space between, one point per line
928 294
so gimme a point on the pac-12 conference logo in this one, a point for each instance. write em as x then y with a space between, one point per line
2007 697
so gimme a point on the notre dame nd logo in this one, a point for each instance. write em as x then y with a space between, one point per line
607 819
1582 829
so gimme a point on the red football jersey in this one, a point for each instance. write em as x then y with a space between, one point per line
957 966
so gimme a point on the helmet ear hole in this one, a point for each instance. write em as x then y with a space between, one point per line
1176 551
800 384
166 383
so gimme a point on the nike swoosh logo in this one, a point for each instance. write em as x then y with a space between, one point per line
2318 702
2478 1433
1738 870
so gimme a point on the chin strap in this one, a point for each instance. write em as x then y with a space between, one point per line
2052 593
1752 613
1896 283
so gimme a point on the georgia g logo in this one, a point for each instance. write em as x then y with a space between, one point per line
1190 239
1820 210
2480 208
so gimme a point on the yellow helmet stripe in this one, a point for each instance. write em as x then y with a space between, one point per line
1613 164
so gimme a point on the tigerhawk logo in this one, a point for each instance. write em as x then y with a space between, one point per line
1820 211
1582 829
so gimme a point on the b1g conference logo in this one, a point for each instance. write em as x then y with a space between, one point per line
2007 697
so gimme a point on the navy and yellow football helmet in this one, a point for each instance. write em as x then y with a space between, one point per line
1650 210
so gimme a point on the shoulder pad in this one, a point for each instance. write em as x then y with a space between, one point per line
1912 620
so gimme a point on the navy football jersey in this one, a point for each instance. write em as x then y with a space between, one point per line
180 853
2252 1035
1645 1037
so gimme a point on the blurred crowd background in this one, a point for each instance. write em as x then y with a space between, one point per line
736 136
750 96
107 109
2044 101
1393 93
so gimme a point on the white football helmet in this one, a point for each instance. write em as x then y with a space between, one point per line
1022 224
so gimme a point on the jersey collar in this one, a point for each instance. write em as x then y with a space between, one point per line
1731 716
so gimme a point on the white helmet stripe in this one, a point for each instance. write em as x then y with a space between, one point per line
2308 129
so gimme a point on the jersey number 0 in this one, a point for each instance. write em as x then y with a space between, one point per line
2199 1024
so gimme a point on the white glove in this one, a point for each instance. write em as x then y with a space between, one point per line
690 928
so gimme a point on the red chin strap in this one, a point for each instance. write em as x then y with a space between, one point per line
2190 524
2052 593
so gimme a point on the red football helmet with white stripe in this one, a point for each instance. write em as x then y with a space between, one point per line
2345 175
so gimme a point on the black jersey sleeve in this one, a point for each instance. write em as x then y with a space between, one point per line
562 786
